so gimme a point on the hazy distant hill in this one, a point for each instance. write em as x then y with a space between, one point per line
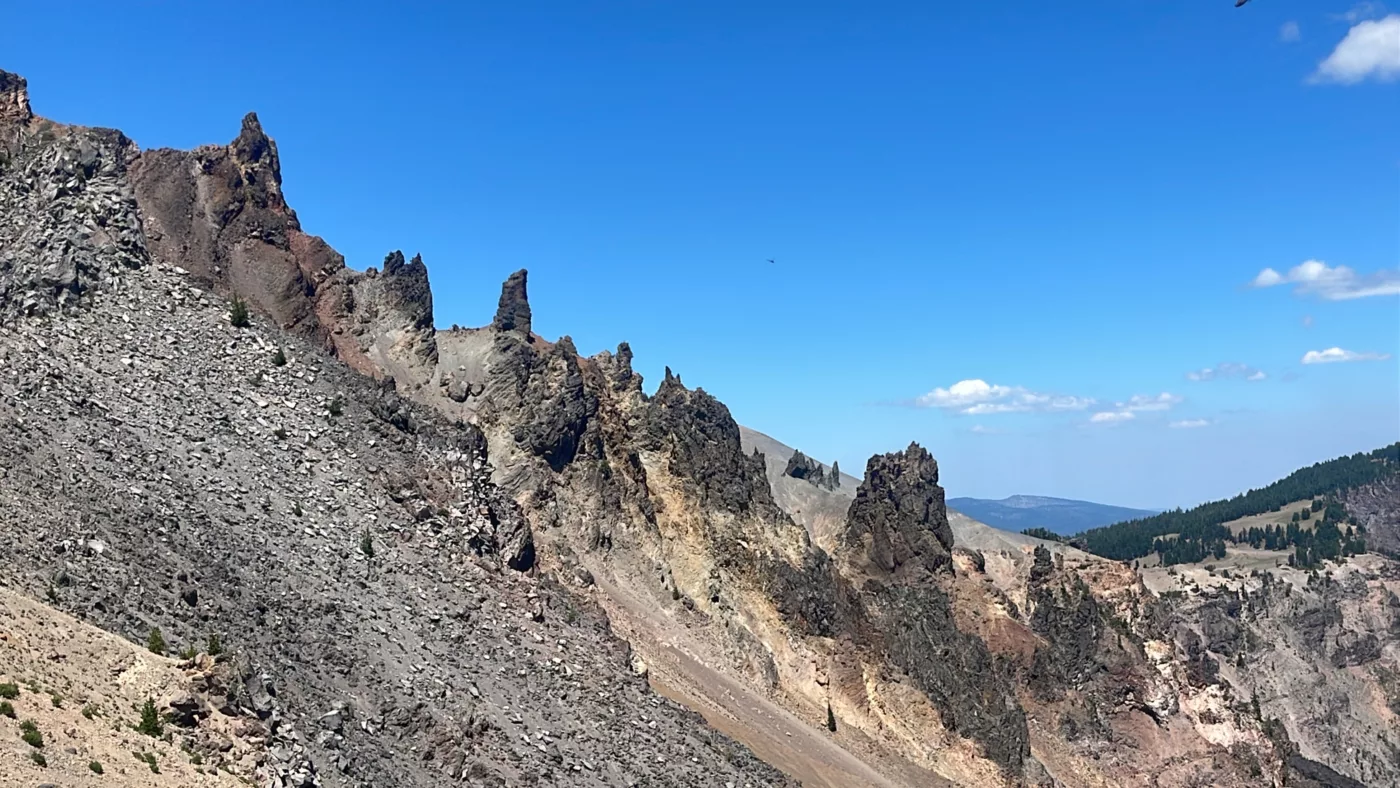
1061 515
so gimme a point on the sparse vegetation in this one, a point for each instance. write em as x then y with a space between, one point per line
38 759
279 359
156 642
213 647
9 690
56 699
336 407
95 767
150 724
7 709
29 732
830 719
296 508
367 545
238 313
189 652
148 758
89 711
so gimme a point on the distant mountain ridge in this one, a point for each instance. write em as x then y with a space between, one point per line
1063 516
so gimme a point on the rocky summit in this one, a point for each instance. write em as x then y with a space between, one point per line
347 548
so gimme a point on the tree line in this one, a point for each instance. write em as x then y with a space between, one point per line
1200 531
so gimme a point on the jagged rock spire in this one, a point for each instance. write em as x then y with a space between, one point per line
513 312
14 99
835 476
899 516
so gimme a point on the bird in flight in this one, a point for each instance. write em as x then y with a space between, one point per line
1239 3
771 260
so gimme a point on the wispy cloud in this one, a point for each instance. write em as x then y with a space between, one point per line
979 429
1360 11
978 397
1227 369
1140 403
1190 424
1371 48
1307 321
1335 355
1289 32
1330 283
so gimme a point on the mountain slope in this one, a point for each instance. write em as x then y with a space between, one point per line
418 544
1058 515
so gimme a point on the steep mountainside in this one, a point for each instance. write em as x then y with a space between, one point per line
417 544
1058 515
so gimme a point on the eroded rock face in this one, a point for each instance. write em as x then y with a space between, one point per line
218 212
68 216
899 517
800 466
702 442
513 311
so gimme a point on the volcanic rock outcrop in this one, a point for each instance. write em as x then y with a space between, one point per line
419 543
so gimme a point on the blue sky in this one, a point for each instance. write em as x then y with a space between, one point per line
1065 201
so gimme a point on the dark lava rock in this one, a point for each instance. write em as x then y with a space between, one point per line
513 313
899 517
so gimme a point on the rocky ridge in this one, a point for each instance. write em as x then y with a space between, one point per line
462 457
163 468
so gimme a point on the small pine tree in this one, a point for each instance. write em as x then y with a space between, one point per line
238 313
150 724
279 359
156 642
830 719
214 648
367 544
336 407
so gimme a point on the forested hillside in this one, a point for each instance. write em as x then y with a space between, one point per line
1200 531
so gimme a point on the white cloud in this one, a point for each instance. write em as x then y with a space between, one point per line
1339 283
1143 402
1360 11
1227 369
979 398
1189 424
1333 355
1371 49
1140 403
1289 33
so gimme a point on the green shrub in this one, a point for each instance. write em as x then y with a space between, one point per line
9 691
95 767
56 699
189 652
367 544
29 732
156 642
214 648
238 313
7 709
336 407
89 711
38 759
279 359
150 724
